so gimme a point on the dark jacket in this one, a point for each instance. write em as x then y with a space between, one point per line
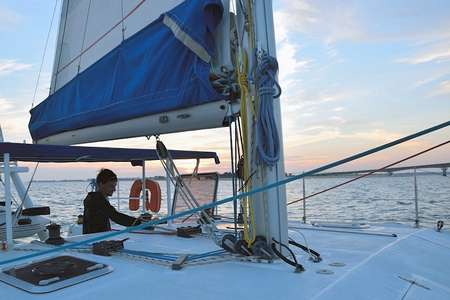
98 211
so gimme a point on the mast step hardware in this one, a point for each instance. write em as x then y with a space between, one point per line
188 231
178 264
241 247
261 249
105 248
229 243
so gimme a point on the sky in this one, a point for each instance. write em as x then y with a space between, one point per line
354 75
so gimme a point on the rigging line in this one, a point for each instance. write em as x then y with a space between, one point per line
20 208
60 45
370 173
43 54
407 290
84 34
123 25
233 174
101 37
240 196
291 240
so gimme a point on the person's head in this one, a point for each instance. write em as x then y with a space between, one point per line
106 182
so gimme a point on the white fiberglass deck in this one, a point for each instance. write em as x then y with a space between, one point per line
376 267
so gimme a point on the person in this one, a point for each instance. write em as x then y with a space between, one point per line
97 209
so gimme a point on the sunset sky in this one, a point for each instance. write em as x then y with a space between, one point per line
354 74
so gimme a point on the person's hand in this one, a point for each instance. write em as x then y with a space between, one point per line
146 217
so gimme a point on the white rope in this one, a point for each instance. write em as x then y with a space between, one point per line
306 245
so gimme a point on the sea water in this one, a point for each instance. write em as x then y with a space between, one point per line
379 198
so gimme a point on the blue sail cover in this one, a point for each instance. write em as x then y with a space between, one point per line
153 71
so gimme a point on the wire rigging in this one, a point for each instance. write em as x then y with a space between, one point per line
101 37
370 173
84 34
43 54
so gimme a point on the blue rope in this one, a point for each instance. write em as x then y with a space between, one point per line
267 139
207 254
160 256
232 198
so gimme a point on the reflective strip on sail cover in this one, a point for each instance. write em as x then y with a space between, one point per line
186 39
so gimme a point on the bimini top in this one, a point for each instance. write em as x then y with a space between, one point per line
163 67
64 154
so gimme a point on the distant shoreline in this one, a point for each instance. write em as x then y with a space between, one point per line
228 176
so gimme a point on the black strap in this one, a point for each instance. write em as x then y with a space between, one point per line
294 263
162 150
315 254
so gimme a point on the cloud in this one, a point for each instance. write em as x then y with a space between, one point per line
322 133
8 19
338 119
289 65
324 20
442 89
287 53
8 66
439 53
14 126
316 99
5 105
14 119
361 21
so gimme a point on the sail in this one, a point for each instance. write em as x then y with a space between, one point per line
124 60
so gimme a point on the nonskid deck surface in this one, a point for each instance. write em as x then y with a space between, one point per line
413 265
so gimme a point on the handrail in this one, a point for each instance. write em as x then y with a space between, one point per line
232 198
370 173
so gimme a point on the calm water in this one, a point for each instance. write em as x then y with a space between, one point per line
375 199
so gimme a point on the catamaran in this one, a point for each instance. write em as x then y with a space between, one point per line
147 68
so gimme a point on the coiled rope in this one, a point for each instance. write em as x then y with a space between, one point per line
267 139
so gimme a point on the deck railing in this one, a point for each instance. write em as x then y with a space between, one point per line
416 199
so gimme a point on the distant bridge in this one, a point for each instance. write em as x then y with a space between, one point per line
442 166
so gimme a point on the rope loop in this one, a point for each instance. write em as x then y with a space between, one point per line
267 139
265 74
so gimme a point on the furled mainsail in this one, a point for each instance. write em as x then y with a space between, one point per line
163 66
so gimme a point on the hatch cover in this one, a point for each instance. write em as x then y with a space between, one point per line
52 274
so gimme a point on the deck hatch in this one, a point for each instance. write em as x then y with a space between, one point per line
53 273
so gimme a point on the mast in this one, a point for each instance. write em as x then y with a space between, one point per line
270 208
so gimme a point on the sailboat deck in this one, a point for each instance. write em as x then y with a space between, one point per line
375 265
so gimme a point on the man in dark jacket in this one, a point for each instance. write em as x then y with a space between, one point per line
97 209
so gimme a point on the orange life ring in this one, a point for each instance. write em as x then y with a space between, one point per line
155 195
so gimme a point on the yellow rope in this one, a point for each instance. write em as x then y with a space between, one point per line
247 206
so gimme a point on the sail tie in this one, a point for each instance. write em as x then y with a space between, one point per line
267 139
